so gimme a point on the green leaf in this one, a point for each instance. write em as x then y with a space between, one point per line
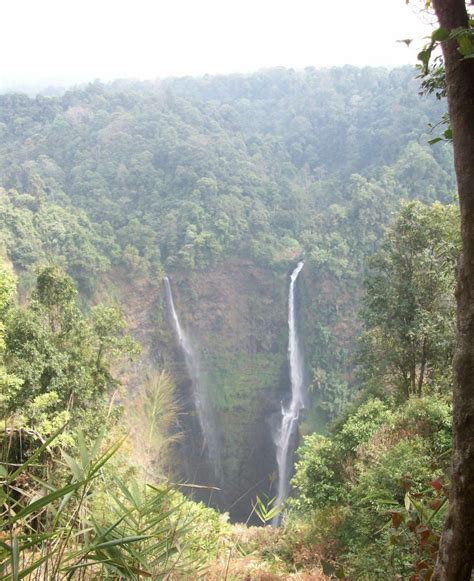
407 501
439 35
83 451
15 557
266 512
14 475
106 457
448 134
121 541
73 466
424 56
43 502
95 448
465 47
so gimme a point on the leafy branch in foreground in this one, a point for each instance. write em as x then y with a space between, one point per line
432 69
53 531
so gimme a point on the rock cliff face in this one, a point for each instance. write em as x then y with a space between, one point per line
236 315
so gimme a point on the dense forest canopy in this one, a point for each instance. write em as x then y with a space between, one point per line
182 172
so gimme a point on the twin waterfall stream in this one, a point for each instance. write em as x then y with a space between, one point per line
200 395
284 436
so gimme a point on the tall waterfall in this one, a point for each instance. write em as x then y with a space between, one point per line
199 388
284 438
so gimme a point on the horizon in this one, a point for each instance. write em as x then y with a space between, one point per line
67 44
59 86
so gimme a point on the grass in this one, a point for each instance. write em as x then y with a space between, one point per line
262 553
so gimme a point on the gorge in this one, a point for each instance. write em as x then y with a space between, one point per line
284 435
222 184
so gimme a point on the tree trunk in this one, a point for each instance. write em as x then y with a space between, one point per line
413 367
421 377
456 554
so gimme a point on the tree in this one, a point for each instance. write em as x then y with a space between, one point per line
456 555
408 304
9 383
61 358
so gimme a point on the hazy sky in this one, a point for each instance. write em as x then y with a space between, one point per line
87 39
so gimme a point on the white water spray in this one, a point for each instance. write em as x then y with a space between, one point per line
284 438
199 388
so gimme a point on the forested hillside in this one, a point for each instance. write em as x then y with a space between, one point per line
183 172
223 184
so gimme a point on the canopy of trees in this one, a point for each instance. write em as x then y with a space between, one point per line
185 171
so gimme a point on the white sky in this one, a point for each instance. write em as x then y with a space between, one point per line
77 40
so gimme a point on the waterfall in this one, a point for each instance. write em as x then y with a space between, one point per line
284 437
199 389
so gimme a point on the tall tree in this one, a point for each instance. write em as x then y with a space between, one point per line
456 554
408 304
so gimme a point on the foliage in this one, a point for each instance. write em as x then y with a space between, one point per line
9 382
51 530
409 304
416 526
362 424
7 289
324 462
266 510
203 527
184 172
432 70
152 418
39 232
318 477
351 481
61 358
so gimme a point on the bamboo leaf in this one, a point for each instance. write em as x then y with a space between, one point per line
46 500
15 558
14 475
121 541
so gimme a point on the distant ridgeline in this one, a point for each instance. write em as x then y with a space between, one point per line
224 183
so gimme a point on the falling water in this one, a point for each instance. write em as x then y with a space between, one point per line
284 437
199 390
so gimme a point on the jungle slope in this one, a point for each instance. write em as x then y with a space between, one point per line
223 183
